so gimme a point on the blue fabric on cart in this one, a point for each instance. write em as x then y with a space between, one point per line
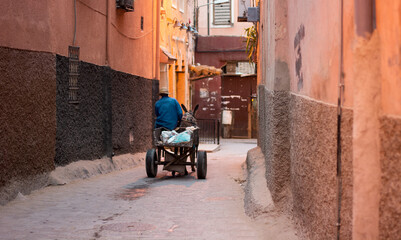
182 137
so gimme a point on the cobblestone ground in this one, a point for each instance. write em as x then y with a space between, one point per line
128 205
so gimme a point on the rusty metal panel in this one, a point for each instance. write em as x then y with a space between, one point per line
206 92
236 95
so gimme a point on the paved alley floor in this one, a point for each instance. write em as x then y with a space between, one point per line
128 205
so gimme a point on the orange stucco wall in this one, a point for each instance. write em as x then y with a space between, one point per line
319 48
178 42
49 26
306 37
389 27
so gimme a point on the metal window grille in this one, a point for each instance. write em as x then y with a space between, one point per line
222 14
209 131
73 56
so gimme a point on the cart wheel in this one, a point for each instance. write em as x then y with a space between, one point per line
201 165
151 166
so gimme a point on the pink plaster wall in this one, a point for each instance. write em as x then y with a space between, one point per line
319 48
366 142
389 27
237 29
49 26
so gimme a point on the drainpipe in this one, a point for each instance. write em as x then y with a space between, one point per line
339 118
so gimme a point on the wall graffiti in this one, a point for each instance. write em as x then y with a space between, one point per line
298 55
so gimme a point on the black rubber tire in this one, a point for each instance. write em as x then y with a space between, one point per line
201 165
151 166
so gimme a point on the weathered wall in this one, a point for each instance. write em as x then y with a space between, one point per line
132 108
313 165
314 49
117 40
27 117
83 130
207 93
389 28
388 16
370 119
390 155
274 119
217 50
112 106
346 173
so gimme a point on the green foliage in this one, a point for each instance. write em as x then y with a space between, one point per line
251 43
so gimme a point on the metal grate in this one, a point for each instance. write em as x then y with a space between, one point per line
222 14
209 131
73 70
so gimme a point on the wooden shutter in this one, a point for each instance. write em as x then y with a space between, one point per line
222 14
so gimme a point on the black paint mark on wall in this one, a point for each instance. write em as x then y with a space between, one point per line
298 56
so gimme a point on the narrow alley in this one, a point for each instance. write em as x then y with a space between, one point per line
128 205
302 99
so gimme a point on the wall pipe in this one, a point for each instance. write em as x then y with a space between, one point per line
339 118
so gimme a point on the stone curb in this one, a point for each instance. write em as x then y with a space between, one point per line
87 168
257 200
74 171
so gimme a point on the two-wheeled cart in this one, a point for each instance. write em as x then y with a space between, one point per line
174 156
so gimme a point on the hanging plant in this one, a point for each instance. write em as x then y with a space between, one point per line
251 35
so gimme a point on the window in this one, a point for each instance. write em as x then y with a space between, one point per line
182 5
174 3
222 14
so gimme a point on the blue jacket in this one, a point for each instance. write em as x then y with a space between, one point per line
168 113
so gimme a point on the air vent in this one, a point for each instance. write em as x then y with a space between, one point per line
127 5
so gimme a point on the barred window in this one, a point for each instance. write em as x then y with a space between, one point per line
222 13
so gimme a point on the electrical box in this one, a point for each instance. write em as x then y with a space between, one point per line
243 6
127 5
253 14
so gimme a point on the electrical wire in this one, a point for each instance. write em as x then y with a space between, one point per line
131 37
95 10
